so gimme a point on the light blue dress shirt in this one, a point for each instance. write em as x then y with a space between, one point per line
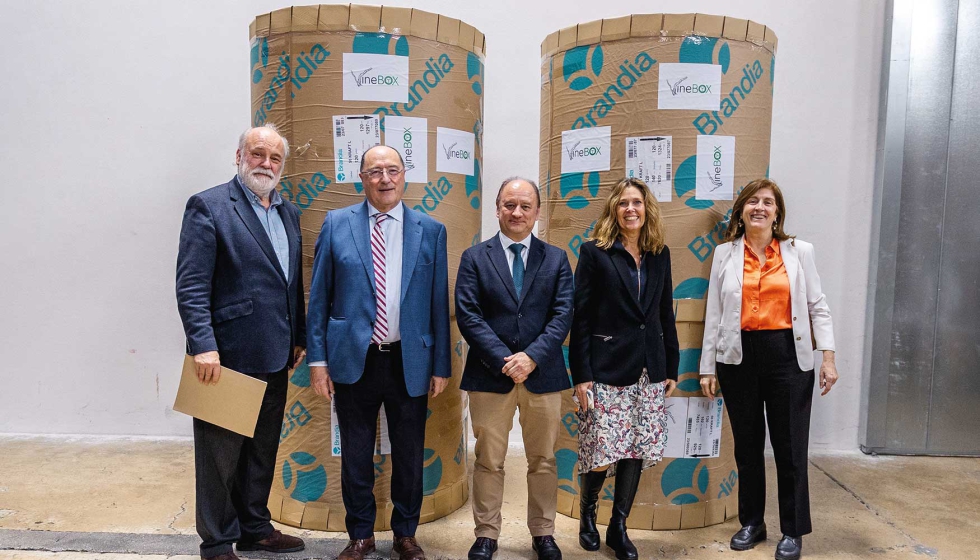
271 223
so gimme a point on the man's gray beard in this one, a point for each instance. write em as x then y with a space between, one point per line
258 184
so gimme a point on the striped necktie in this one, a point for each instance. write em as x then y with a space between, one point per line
380 280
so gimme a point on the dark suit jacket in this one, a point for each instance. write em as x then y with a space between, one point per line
343 302
615 334
496 322
232 294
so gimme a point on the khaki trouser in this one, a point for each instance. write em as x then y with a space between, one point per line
492 415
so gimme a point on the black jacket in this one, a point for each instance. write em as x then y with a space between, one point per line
615 335
496 321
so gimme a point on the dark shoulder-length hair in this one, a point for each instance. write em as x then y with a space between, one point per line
736 228
653 236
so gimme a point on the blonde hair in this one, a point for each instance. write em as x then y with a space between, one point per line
653 236
736 228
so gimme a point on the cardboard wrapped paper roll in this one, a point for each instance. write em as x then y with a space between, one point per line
338 79
684 102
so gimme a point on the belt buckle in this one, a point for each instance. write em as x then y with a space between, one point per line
384 347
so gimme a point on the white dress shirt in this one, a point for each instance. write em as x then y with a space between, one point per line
506 242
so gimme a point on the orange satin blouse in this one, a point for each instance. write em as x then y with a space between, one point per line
765 291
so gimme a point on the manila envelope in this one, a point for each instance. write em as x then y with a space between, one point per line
233 403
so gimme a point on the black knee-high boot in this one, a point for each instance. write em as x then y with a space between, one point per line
589 485
627 481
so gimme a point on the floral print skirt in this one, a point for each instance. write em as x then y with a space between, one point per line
626 423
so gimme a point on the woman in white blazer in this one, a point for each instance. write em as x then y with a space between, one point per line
763 296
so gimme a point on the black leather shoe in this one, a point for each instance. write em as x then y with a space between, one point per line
747 537
589 485
789 548
627 481
483 549
546 548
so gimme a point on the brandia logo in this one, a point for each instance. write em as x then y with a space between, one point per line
259 55
295 418
474 72
580 70
303 194
708 122
433 75
436 193
681 478
431 471
575 62
310 484
570 183
306 66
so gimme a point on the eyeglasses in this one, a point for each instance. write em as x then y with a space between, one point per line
375 174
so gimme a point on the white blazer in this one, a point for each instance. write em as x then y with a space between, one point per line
723 316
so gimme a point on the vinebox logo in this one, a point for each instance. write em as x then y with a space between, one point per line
363 79
678 87
589 151
452 153
714 174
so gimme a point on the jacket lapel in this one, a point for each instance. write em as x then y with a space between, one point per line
654 282
295 244
535 257
359 225
495 252
621 265
245 212
736 259
411 244
791 262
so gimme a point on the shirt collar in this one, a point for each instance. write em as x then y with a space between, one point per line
274 197
397 213
506 242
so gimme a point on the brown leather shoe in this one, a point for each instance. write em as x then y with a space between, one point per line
407 548
225 556
276 542
357 549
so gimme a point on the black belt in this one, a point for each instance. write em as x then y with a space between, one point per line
385 346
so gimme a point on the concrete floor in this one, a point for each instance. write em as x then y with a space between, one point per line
63 499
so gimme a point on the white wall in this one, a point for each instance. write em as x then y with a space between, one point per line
113 113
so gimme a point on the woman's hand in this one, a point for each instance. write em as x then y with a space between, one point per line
828 372
583 398
671 385
709 385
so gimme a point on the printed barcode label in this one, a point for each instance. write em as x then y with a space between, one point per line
714 447
690 424
668 172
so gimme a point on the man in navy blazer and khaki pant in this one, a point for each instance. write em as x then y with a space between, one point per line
514 307
379 335
240 297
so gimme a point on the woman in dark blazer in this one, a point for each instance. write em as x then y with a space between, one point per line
764 301
623 355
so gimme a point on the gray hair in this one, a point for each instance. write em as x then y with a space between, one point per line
510 180
273 128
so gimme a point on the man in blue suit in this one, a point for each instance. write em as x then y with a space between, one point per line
514 307
379 334
240 297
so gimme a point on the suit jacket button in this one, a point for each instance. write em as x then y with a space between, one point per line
520 315
642 327
799 338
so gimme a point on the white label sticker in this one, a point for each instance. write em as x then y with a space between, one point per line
454 151
352 136
689 86
382 445
585 149
408 136
648 158
715 175
375 77
676 426
704 417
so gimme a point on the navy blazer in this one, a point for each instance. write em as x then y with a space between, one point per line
343 303
496 321
232 294
615 334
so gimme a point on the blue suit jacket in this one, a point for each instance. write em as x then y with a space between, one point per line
342 299
232 294
496 321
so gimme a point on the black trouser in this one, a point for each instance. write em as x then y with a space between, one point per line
358 405
769 379
234 474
